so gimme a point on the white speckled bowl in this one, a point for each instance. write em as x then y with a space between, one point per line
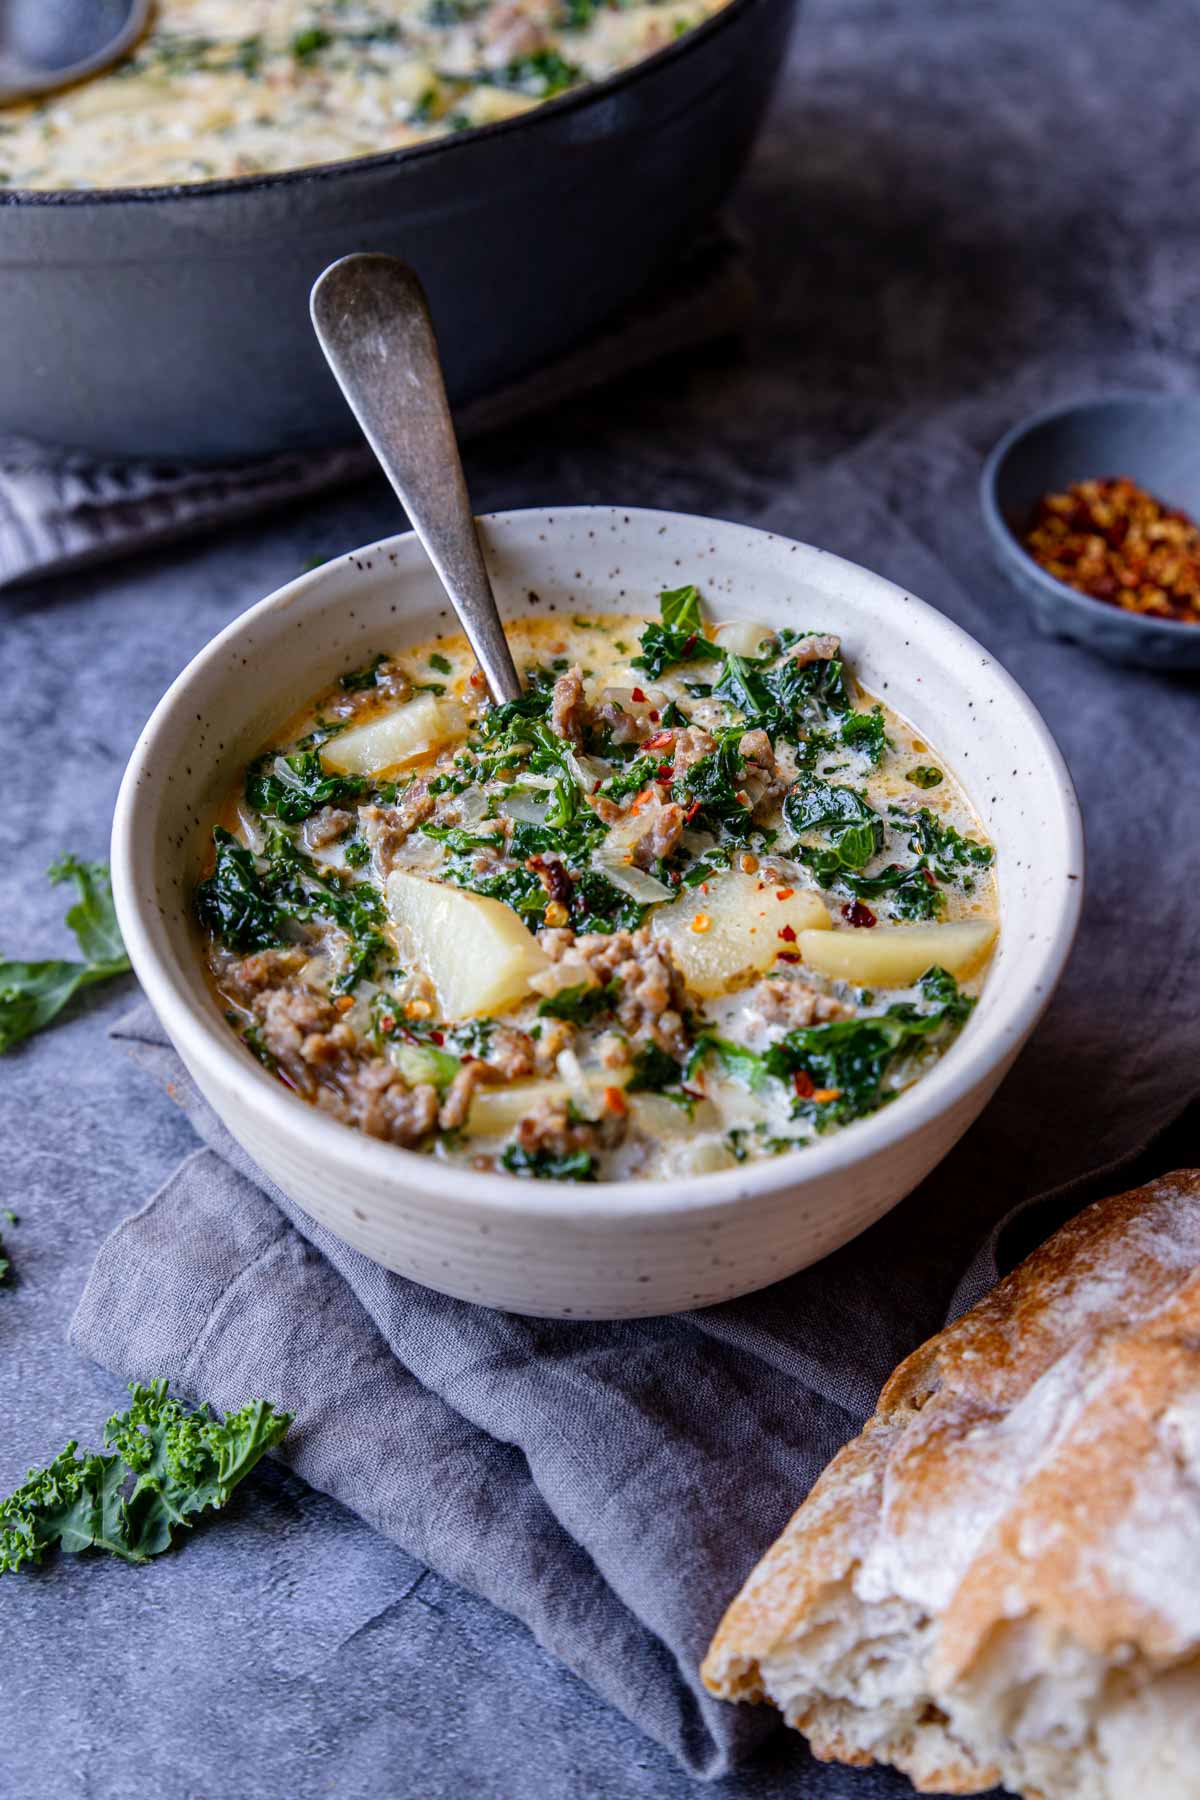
614 1249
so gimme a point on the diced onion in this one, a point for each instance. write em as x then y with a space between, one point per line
569 1069
525 809
418 852
630 879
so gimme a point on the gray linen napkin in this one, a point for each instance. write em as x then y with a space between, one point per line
62 510
609 1484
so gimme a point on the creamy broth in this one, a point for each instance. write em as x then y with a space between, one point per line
223 88
696 898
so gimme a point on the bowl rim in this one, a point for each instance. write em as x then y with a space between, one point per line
1011 547
316 173
204 1039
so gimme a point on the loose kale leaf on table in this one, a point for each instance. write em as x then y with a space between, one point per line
163 1468
34 993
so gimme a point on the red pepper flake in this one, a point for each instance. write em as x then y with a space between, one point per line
662 740
653 716
784 893
438 1037
477 679
855 913
615 1101
387 1023
803 1084
637 694
788 956
689 644
665 772
787 933
691 812
931 878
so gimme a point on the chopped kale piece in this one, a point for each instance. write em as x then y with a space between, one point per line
678 636
865 732
838 1069
294 787
854 831
654 1072
950 854
543 1165
924 775
359 680
580 1005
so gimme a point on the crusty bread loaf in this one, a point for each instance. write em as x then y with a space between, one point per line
999 1580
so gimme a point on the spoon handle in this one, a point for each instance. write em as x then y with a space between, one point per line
372 321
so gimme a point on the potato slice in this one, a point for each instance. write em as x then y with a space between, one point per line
733 928
477 952
411 731
495 1111
897 955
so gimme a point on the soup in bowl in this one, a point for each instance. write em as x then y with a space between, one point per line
641 991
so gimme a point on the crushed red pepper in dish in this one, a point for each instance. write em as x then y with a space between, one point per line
1111 539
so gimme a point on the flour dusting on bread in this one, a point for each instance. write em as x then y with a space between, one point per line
999 1580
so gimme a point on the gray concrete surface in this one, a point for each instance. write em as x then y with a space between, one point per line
960 211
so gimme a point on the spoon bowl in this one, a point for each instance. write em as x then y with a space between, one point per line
49 44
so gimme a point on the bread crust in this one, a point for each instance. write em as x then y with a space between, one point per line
1022 1510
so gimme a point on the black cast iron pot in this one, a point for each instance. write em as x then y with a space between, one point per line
173 322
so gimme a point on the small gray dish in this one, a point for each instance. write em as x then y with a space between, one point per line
1152 438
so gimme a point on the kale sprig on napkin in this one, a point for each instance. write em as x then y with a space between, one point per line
164 1466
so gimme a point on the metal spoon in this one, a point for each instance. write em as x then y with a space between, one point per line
47 44
372 321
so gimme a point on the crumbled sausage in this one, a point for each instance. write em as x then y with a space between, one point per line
794 1004
664 828
551 1128
452 1115
323 1059
652 994
755 748
821 647
690 745
509 1054
605 809
568 707
386 827
325 827
621 726
377 1100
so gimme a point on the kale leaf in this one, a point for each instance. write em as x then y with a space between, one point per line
233 902
854 830
294 787
677 636
247 903
359 680
166 1466
950 854
846 1061
713 785
543 1165
924 775
581 1004
654 1072
783 696
34 993
865 732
